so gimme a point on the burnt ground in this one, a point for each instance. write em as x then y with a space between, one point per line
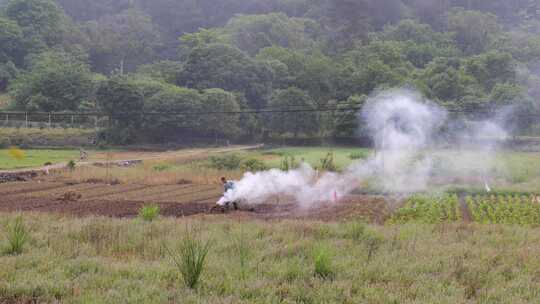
125 200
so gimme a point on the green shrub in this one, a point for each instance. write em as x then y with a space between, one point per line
226 162
17 236
253 165
149 213
71 165
323 263
288 162
358 155
190 258
372 241
161 167
327 163
356 231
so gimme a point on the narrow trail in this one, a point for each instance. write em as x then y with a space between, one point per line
158 155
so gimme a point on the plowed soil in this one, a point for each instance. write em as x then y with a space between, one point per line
174 200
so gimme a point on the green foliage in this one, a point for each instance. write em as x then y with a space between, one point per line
56 81
71 165
226 162
323 263
429 209
505 209
253 165
17 236
226 67
293 122
359 155
288 162
149 213
161 167
327 163
190 258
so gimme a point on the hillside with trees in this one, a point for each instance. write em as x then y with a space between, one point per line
131 57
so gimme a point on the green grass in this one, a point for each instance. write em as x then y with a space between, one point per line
36 158
313 155
103 260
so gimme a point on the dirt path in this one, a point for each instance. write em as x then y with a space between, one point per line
29 172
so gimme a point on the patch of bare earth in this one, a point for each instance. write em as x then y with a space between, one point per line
125 200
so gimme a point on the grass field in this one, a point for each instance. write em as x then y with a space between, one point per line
36 158
101 260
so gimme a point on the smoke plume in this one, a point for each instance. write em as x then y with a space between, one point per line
406 131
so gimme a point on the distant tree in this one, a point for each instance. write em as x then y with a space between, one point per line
123 101
84 10
55 81
346 121
226 67
10 40
165 70
173 100
218 100
121 41
255 32
292 122
8 72
474 31
42 23
491 68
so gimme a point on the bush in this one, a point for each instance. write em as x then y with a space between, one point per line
323 263
327 163
226 162
253 165
190 259
71 165
288 162
161 167
358 155
356 230
17 236
149 213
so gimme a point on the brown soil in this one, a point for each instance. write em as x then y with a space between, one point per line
175 201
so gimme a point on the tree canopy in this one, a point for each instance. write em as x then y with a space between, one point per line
132 56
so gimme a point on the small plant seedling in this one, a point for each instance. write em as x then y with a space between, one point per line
323 263
190 258
149 212
17 236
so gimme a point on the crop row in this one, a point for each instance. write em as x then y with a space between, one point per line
504 209
429 209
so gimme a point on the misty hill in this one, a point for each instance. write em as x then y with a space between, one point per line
130 56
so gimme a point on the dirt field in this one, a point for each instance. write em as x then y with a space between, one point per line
124 200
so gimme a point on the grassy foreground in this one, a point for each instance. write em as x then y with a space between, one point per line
101 260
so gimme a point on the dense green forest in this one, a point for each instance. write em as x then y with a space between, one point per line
128 57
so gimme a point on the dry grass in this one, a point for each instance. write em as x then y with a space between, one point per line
102 260
149 173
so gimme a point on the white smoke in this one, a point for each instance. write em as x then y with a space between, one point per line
402 126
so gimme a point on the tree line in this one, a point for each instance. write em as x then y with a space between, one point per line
127 57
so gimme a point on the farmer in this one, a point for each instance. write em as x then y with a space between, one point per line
83 154
228 185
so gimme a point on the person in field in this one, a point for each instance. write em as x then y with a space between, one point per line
227 186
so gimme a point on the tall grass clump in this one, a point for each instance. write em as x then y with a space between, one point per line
17 236
242 250
190 258
358 155
149 213
323 263
327 163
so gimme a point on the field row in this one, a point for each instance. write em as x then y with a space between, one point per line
483 209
